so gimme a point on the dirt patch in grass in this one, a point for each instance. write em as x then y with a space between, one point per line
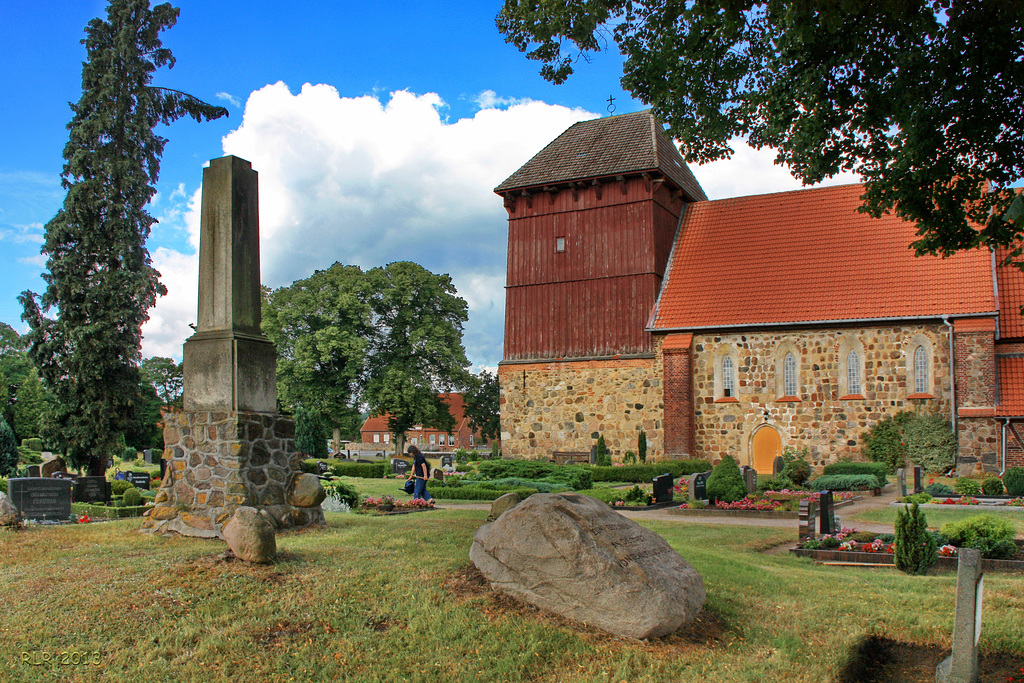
219 563
881 660
283 633
706 631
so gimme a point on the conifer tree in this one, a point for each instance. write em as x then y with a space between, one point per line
915 547
100 277
8 449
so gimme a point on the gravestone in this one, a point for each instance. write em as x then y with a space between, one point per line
750 479
322 468
662 488
151 455
778 465
228 448
807 517
901 482
698 486
110 463
438 475
91 490
826 514
399 466
33 471
41 499
50 466
918 479
573 555
962 664
46 455
139 480
447 460
363 460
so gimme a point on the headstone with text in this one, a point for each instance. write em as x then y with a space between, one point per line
826 513
447 460
33 471
322 468
139 480
399 466
91 490
750 479
42 499
662 488
698 486
808 516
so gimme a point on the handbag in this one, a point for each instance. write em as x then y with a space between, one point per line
409 486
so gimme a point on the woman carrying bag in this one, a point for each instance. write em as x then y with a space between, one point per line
420 474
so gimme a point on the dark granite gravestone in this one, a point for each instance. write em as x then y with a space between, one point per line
322 468
698 486
826 515
33 471
362 460
778 465
447 460
91 490
139 480
750 479
41 499
110 463
438 474
399 466
662 488
918 479
807 515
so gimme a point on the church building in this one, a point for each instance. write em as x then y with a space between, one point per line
738 326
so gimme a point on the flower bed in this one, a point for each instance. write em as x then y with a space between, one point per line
374 505
773 504
841 548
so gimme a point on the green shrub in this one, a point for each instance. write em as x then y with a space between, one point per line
540 485
572 476
119 486
636 496
843 482
461 456
477 492
107 511
916 551
30 457
993 486
1013 480
884 442
726 483
641 446
874 468
3 484
863 536
495 451
642 474
131 497
8 449
776 483
936 490
930 442
342 492
343 468
128 454
33 444
797 470
965 531
966 487
602 456
629 457
919 498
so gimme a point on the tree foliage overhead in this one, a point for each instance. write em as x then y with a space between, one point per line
321 326
100 277
166 377
480 401
922 98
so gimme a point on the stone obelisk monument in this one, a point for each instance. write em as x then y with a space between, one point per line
229 447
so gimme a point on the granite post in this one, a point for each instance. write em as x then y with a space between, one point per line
228 448
962 665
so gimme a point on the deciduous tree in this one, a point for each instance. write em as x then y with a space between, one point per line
165 375
924 99
481 404
100 277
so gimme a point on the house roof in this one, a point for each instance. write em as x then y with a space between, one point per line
1011 386
809 256
609 146
379 423
1011 296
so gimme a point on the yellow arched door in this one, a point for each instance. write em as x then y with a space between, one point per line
765 447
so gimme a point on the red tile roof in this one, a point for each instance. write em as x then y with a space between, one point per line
1011 386
1011 296
379 423
809 256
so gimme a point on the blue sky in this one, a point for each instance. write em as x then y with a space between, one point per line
377 135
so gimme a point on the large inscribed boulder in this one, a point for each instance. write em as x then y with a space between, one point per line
575 556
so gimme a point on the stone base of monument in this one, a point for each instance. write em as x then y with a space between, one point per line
218 462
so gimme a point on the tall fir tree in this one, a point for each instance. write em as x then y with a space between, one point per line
99 275
8 449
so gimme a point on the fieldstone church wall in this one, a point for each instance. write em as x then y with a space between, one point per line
566 406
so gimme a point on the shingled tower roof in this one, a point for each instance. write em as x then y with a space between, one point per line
615 145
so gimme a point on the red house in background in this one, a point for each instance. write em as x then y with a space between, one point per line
375 430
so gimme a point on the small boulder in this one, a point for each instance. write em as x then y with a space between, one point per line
250 535
50 466
575 556
9 515
503 503
307 491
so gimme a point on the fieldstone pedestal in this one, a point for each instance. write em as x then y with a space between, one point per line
228 448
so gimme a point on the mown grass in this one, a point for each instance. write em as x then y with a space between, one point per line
370 599
937 517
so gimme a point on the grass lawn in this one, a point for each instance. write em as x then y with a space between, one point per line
936 518
381 599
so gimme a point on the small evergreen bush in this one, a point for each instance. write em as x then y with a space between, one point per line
629 458
132 497
966 487
310 433
128 454
1013 480
936 490
602 456
34 444
884 442
8 449
119 486
843 482
339 468
916 551
495 451
993 486
919 498
472 492
964 532
641 446
777 483
726 483
642 474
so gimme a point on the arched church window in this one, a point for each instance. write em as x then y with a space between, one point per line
728 378
853 373
920 370
789 374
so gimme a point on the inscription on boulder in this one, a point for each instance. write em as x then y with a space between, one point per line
575 556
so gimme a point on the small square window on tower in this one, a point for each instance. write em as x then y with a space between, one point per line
559 244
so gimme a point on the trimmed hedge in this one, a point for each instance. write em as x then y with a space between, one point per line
642 474
475 492
343 468
878 469
572 476
844 482
108 511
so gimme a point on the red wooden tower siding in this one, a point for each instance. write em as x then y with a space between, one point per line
592 219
